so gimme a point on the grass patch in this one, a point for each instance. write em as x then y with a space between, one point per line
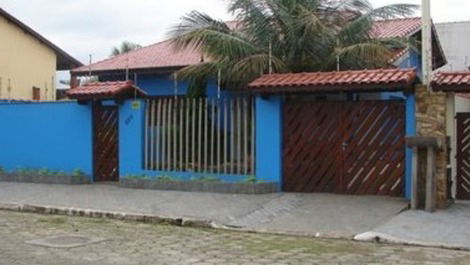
54 220
305 245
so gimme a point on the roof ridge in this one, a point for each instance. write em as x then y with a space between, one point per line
125 54
398 19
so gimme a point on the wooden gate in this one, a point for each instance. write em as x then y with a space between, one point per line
105 143
344 147
463 156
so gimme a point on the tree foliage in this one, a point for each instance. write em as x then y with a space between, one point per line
294 35
126 46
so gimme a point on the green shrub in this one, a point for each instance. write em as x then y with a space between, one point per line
2 170
78 173
250 179
206 179
166 178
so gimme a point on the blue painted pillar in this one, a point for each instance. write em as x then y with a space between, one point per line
269 139
131 137
410 131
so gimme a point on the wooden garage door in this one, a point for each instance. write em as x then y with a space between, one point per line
344 147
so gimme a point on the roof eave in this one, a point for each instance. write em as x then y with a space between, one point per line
451 88
168 69
356 88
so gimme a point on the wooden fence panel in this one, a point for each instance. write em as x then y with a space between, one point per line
463 156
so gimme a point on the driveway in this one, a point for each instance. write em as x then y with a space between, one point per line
449 228
324 215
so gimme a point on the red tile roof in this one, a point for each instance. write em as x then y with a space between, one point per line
159 55
102 90
451 81
363 80
395 28
163 54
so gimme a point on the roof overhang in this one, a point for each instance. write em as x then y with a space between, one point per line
451 82
380 80
106 90
114 72
64 60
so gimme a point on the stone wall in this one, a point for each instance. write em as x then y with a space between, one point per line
431 121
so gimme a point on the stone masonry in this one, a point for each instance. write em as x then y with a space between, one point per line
431 121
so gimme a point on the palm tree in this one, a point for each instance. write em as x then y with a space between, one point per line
126 46
286 36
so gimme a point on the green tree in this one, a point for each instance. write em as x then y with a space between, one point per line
126 46
289 35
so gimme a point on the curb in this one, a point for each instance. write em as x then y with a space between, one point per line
136 217
388 239
153 219
370 237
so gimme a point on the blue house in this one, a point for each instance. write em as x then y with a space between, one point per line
341 137
341 132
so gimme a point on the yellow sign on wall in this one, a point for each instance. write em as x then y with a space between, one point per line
136 104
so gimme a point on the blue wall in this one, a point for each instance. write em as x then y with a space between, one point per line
53 136
131 138
269 138
413 61
410 131
163 85
131 148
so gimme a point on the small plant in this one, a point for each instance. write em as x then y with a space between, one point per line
166 178
2 170
43 172
78 173
23 171
206 179
143 176
60 173
250 179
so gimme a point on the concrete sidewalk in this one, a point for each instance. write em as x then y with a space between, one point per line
446 228
323 215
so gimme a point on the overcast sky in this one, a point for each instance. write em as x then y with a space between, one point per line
83 27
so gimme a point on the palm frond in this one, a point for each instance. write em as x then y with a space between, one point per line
366 55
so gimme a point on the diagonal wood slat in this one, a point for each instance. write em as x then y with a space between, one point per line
463 156
344 147
105 148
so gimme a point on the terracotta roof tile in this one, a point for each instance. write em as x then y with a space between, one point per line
395 28
159 55
103 90
451 81
363 80
163 54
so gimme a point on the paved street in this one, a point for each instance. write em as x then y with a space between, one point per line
138 243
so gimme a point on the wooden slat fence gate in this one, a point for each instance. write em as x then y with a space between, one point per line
106 143
200 135
344 147
463 156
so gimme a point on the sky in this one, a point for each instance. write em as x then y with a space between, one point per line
84 27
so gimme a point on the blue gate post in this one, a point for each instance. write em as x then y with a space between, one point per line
269 139
410 131
131 137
